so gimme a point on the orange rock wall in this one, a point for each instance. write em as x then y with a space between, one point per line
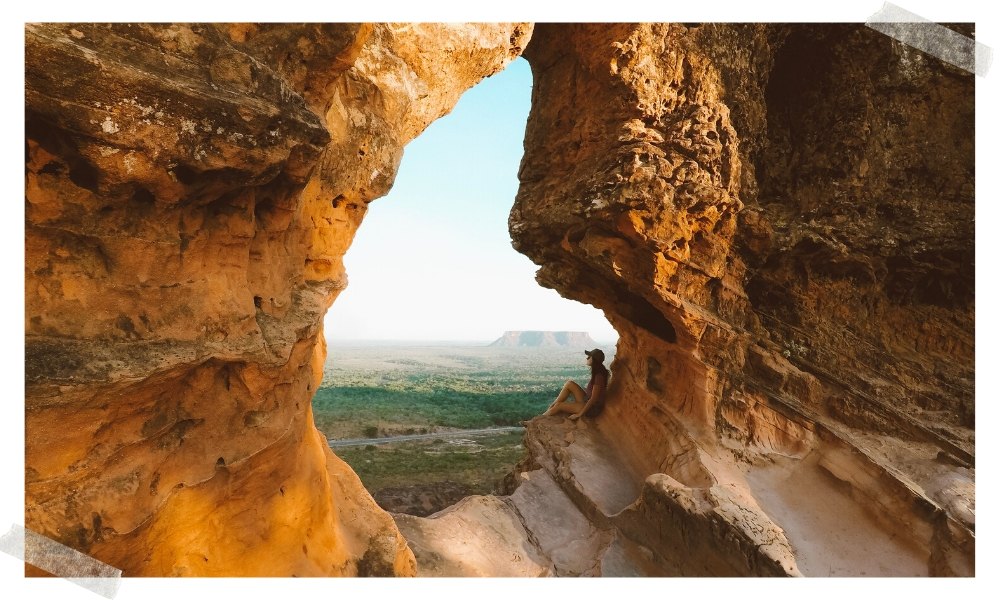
777 219
190 193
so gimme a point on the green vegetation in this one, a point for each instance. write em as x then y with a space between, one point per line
479 463
394 391
387 391
378 412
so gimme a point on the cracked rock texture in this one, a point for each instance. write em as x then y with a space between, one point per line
552 524
190 192
777 219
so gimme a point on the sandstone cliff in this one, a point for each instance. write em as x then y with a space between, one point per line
545 339
777 219
190 193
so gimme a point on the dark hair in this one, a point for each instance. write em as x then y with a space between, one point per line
598 368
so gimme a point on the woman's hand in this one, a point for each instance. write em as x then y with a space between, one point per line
575 417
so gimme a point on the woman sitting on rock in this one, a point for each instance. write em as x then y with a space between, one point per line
588 401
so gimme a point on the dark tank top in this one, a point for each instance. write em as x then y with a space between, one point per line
596 408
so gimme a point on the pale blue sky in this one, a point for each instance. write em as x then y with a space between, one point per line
433 258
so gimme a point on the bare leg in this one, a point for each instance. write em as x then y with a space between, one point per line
571 408
563 394
570 387
562 405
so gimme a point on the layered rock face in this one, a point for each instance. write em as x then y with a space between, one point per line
190 193
777 219
544 339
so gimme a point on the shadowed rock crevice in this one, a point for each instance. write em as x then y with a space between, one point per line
796 201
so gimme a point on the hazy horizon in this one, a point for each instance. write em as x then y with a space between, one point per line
342 342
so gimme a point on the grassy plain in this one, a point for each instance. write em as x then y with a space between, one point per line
385 391
371 391
478 463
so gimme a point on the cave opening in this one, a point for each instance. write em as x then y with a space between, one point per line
443 329
167 357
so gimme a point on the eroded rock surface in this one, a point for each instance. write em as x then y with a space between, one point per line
777 219
552 524
190 193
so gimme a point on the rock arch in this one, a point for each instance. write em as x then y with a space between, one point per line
191 189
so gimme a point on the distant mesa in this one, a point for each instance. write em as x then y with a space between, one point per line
545 339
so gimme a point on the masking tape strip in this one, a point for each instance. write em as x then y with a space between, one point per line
62 561
936 40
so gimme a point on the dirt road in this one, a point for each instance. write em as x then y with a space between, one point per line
422 436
